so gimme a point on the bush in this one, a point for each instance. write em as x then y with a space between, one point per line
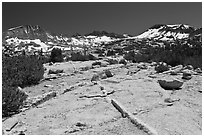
56 55
22 70
12 100
184 52
130 55
17 71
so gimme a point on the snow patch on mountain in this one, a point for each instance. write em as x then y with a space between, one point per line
167 32
15 42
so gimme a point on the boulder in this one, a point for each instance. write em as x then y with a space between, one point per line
170 84
161 67
108 73
187 74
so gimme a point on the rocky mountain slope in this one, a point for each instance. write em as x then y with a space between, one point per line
169 32
35 38
32 38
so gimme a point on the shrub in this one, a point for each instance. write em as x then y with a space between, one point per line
130 55
22 70
12 100
17 71
56 55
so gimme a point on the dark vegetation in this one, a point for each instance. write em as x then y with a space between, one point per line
180 52
18 71
56 55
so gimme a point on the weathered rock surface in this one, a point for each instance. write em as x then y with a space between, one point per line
170 84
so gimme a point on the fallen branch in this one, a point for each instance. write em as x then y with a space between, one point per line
140 124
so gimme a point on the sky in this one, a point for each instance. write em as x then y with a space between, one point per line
84 17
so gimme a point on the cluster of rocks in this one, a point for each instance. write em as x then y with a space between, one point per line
102 75
187 73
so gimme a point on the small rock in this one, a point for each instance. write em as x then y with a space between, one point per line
152 76
169 104
85 68
108 73
95 77
96 66
51 63
189 67
55 71
169 100
198 70
123 61
48 86
79 124
103 76
153 64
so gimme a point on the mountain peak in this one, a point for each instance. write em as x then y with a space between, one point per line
26 32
